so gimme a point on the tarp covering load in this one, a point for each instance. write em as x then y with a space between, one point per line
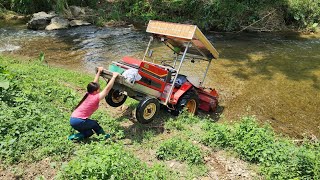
176 35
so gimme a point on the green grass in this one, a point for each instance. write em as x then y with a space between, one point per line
96 161
35 113
183 150
278 157
34 125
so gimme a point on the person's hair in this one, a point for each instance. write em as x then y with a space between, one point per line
91 87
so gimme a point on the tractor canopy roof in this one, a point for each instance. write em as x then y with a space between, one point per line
176 36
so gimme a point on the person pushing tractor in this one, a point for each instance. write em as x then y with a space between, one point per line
79 119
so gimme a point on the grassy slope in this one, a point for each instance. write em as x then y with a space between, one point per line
34 126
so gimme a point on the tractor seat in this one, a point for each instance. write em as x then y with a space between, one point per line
194 81
180 80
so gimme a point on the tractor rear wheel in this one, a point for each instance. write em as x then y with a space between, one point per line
147 110
189 101
115 98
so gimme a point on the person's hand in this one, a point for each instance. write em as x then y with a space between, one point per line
100 69
115 74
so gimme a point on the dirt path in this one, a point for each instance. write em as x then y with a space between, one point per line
223 166
45 168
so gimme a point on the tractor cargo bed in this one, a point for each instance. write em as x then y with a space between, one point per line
136 90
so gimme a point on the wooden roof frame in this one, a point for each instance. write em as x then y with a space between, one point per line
178 34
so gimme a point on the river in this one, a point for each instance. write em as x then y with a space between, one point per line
273 76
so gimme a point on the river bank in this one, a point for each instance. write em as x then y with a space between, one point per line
226 16
262 74
35 115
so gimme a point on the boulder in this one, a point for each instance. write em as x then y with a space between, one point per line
40 20
74 23
77 11
58 23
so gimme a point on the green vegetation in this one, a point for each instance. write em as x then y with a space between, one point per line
221 15
279 158
179 149
32 6
36 102
30 110
112 162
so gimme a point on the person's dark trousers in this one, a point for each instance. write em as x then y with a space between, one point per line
86 126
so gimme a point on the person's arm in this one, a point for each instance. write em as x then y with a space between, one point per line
106 90
96 78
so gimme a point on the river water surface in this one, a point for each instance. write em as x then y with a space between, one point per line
275 77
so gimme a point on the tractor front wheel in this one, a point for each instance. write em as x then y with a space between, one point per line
115 98
147 110
189 102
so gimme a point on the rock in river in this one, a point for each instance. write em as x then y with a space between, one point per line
74 23
40 20
58 23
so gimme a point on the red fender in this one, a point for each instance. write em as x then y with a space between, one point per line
184 88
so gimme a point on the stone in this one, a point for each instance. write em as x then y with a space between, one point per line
75 23
76 11
58 23
40 20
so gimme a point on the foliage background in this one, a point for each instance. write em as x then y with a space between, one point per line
221 15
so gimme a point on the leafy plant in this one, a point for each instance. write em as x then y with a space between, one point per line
35 111
216 135
278 157
4 78
113 162
179 149
174 124
41 57
250 141
305 13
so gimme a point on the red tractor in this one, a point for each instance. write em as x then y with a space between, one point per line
161 84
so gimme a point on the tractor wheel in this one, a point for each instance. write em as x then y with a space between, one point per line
115 98
189 101
147 110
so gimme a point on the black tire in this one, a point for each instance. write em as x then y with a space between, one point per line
115 98
190 96
147 110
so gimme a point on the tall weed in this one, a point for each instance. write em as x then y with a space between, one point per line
278 157
113 163
35 111
217 135
177 148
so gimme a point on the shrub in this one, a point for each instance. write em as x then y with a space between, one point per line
174 124
30 119
99 161
279 158
179 149
303 13
217 135
32 6
35 111
251 141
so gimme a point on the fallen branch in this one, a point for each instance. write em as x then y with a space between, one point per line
257 21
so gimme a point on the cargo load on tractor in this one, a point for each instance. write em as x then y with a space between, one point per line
155 85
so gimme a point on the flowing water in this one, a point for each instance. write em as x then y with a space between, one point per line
275 77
